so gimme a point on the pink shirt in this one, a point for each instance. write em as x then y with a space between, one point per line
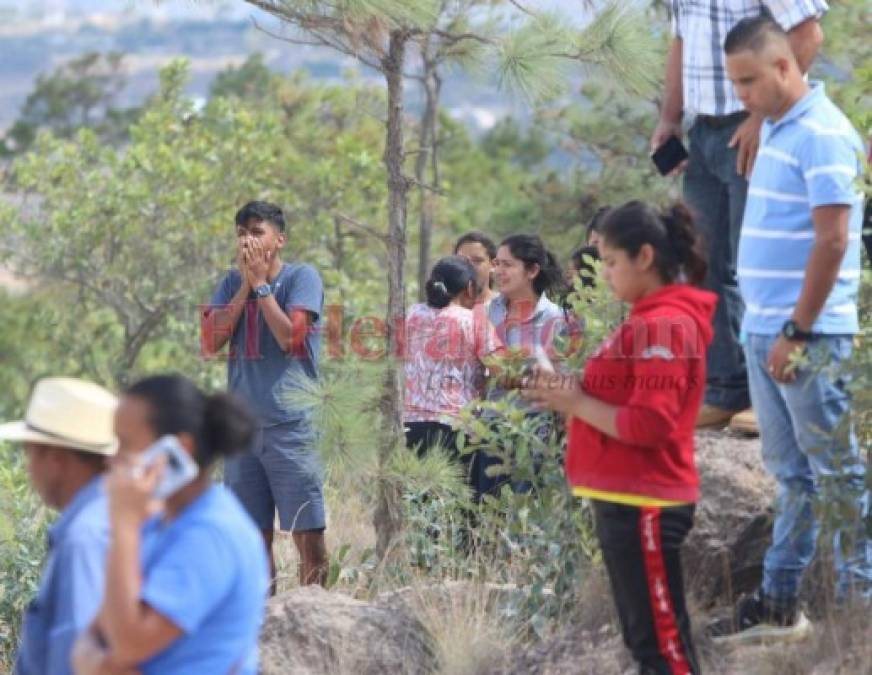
443 365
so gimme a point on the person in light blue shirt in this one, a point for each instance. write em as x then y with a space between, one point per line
799 269
67 435
185 590
525 319
809 159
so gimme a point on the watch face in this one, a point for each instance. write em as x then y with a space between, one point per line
789 329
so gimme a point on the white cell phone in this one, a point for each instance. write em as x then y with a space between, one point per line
180 468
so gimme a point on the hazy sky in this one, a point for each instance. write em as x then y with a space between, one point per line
175 8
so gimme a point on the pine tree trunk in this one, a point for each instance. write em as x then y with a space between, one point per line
427 155
387 516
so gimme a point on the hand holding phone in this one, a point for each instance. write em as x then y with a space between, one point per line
669 155
179 468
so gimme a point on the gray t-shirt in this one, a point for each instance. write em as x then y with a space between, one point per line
258 370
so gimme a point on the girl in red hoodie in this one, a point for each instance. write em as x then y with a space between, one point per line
631 424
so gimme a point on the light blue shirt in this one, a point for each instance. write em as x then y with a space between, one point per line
206 571
811 157
71 588
538 330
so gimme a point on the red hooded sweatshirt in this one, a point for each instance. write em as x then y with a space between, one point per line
653 368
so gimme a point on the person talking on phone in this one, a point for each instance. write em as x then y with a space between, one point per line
631 425
186 588
723 144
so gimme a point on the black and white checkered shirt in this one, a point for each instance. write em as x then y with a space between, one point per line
703 25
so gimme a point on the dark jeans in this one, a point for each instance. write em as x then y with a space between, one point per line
424 435
480 460
716 194
867 229
642 552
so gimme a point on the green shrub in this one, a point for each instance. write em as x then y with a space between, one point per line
23 521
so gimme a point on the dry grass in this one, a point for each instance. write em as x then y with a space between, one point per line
465 622
349 522
472 634
841 644
349 516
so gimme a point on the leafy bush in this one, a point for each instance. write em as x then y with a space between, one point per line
23 521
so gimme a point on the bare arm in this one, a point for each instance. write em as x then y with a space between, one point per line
289 329
133 631
806 39
554 392
597 413
672 108
218 323
830 244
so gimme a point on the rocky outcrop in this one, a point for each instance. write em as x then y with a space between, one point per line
572 652
723 555
310 631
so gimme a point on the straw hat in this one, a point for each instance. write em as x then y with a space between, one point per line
67 413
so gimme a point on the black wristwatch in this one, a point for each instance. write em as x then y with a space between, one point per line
263 291
792 332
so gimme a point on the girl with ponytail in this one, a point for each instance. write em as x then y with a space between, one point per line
444 347
631 418
185 589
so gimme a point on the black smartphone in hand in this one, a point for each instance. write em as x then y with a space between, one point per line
669 155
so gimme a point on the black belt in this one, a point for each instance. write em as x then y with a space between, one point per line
721 121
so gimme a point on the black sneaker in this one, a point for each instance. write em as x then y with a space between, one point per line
756 620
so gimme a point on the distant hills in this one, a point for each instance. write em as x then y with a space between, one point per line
38 35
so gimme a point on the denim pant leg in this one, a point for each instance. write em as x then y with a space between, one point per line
797 422
716 194
818 401
795 530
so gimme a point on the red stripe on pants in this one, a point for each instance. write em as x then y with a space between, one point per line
668 637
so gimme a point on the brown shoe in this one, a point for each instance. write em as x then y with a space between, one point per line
745 423
713 417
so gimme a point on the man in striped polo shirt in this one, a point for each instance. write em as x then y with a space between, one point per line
799 272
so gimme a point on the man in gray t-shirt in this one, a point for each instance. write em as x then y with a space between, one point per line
270 312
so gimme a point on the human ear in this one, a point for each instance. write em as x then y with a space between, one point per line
645 257
533 271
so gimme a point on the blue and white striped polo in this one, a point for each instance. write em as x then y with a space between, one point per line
811 157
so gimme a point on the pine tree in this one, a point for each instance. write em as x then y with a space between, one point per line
530 51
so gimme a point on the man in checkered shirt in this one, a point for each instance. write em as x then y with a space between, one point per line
723 144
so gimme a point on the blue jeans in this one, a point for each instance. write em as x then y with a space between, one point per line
804 448
716 195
